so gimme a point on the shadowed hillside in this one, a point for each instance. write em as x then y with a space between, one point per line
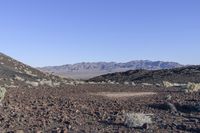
178 75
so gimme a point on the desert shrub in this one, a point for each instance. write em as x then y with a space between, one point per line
193 87
167 84
179 85
157 84
32 83
133 84
111 82
46 82
135 120
19 78
80 82
29 73
146 84
92 83
2 93
126 83
103 82
56 83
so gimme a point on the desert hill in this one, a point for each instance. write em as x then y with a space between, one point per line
14 73
177 75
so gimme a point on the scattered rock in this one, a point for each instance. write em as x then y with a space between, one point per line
171 107
181 127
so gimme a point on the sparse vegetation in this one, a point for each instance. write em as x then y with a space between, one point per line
19 78
133 84
29 73
134 120
32 83
193 87
46 82
126 83
147 84
167 84
2 93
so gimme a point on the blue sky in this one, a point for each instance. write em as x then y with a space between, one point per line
55 32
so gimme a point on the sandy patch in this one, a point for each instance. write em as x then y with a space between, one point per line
123 94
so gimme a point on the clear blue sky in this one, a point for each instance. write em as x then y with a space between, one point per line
55 32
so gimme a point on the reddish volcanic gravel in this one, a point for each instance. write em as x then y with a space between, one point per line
72 109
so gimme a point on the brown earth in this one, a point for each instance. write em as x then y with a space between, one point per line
73 109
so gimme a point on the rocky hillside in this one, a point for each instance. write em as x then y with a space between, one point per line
176 75
14 73
89 70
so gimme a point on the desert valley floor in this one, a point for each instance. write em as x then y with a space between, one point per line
97 108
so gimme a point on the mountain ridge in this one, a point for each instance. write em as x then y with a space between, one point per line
86 70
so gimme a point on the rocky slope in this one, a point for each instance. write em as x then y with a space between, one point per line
89 70
176 75
14 73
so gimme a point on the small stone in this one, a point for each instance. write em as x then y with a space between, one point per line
171 107
181 127
69 127
98 114
174 124
145 126
194 120
64 131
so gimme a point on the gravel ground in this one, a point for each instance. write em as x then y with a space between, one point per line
72 109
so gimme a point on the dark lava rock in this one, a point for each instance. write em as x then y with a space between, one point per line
181 127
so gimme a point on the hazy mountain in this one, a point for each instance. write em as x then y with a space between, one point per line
89 70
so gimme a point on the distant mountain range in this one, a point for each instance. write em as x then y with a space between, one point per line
89 70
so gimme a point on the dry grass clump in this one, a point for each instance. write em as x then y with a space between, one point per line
193 87
135 120
167 84
32 83
2 93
